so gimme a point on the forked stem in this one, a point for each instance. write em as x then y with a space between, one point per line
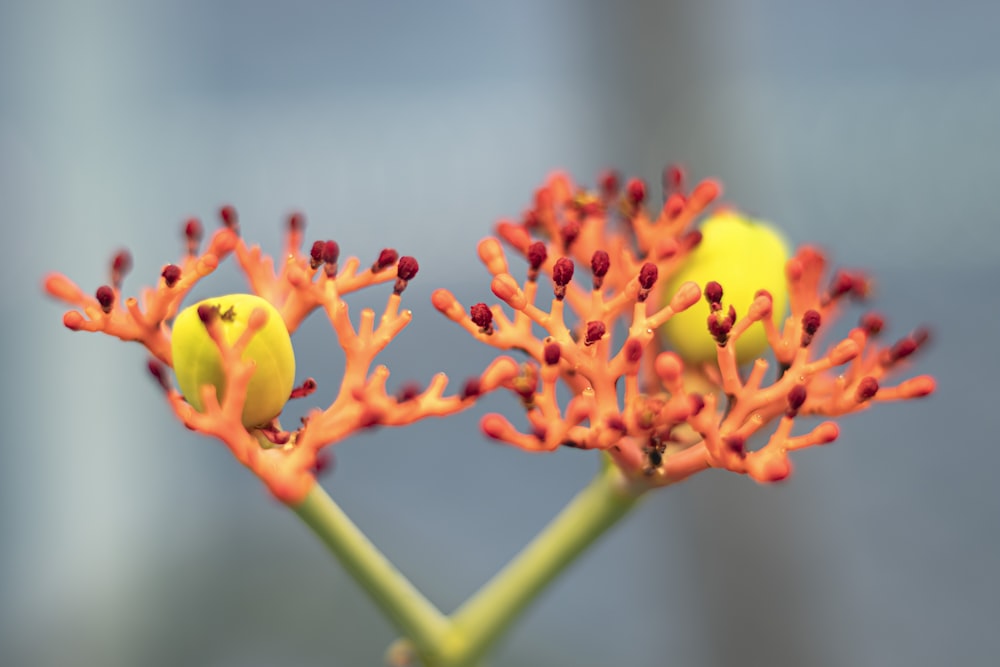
409 611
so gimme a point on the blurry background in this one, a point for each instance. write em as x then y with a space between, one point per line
870 128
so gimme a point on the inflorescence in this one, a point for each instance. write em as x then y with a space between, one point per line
287 461
661 419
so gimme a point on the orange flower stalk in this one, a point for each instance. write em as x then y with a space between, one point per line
658 419
287 461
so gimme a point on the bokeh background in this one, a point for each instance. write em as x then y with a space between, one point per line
870 128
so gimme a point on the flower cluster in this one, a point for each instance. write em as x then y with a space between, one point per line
286 460
659 416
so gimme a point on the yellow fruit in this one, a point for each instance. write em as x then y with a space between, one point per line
197 361
743 256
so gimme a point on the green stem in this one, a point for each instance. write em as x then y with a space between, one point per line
482 620
411 613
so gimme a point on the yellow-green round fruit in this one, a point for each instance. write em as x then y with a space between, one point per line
743 256
197 361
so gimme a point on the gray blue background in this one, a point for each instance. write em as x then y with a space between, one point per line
870 128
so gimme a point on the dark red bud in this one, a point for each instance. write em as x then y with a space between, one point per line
635 191
536 255
482 317
407 268
648 275
121 263
609 181
229 217
810 322
551 354
316 254
697 403
595 331
562 271
386 258
192 230
903 348
867 389
873 323
569 232
105 297
713 294
471 389
330 252
796 397
633 350
600 263
296 222
673 178
171 274
159 373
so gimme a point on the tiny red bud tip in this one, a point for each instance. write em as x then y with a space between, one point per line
796 397
735 443
537 254
648 275
159 374
386 258
471 389
673 177
633 350
867 389
229 217
551 354
697 403
609 181
171 274
873 323
408 392
635 191
316 254
562 271
296 222
331 252
407 268
595 331
105 297
713 293
193 230
600 263
810 322
902 349
121 263
481 316
569 232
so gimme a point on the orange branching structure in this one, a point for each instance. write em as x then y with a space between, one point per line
287 461
658 420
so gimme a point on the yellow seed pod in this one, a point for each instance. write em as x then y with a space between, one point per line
197 361
742 255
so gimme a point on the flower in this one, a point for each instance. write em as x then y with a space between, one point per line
225 401
660 418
